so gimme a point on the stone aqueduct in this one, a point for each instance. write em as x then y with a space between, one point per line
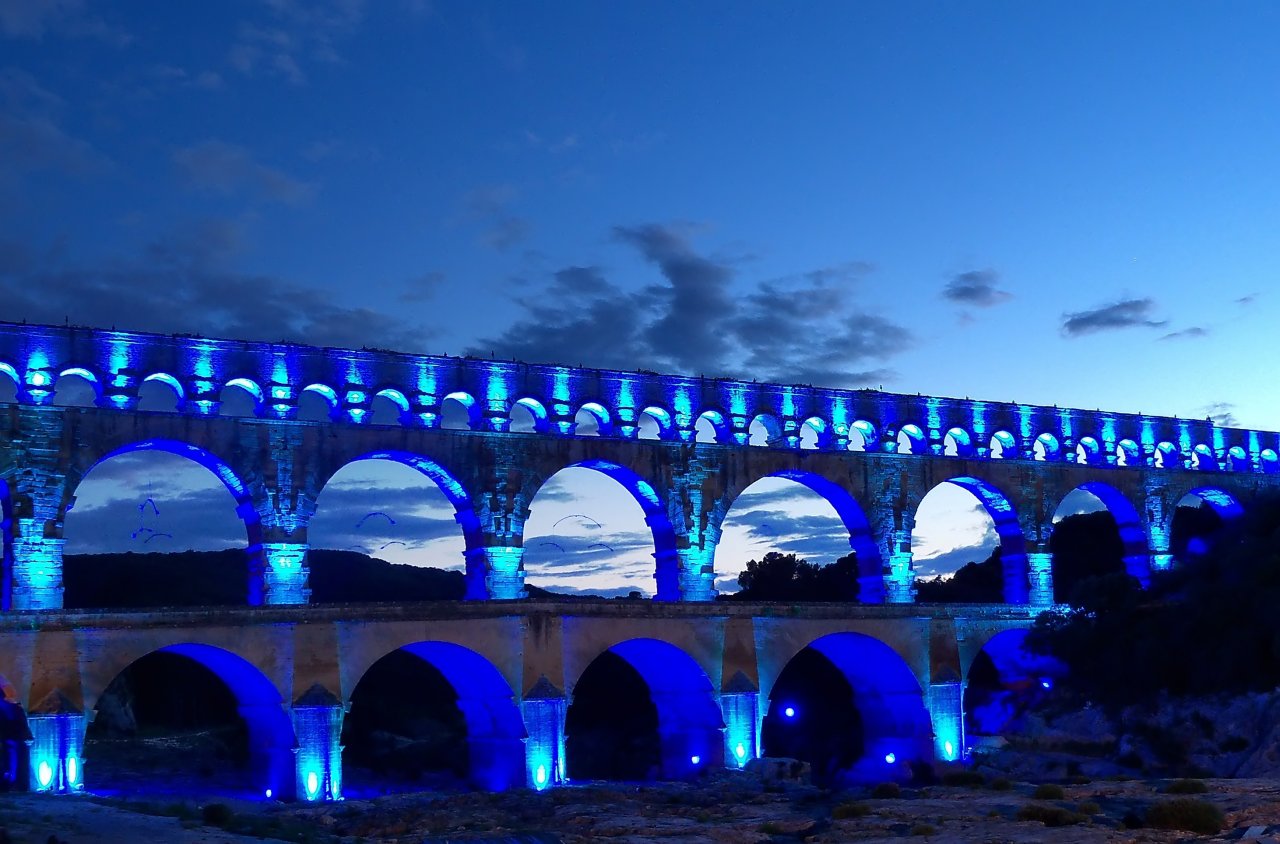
872 455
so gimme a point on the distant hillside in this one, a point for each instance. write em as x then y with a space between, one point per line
219 578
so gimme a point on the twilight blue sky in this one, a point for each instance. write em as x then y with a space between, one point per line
1071 203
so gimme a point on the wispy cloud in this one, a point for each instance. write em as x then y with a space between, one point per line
1193 333
1126 313
32 137
294 34
218 167
976 288
1222 413
36 19
489 207
186 281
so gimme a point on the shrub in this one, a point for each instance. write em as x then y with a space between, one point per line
1186 787
216 814
1188 814
850 809
924 829
1050 815
1234 744
964 779
1088 807
1001 784
887 791
1048 791
771 828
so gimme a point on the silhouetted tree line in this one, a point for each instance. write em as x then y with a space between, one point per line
786 577
219 578
1206 626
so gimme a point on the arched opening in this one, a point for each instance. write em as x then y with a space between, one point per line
76 388
160 524
862 436
814 434
390 526
1269 460
765 430
911 440
459 412
389 407
1199 515
1087 451
1166 456
1002 446
190 718
797 537
432 715
852 708
643 710
160 393
711 427
1128 454
9 381
1203 459
317 403
1096 533
240 397
596 528
1238 459
592 420
968 546
654 423
527 416
1046 447
1005 682
957 443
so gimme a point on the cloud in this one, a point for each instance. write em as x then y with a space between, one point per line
1247 300
1221 414
297 32
803 328
489 207
34 19
31 134
976 288
423 287
217 167
1126 313
184 281
1192 333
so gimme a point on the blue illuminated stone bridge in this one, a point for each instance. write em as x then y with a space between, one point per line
274 422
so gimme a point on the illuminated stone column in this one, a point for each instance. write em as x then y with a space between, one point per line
1040 578
57 740
900 578
37 567
317 724
544 709
740 708
946 710
495 573
285 573
1157 522
685 574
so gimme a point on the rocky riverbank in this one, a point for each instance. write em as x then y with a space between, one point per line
728 808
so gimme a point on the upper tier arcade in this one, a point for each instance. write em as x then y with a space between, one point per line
198 369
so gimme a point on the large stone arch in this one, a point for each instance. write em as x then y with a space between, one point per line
888 694
689 720
645 493
433 469
202 456
495 727
1133 535
259 702
862 541
1013 545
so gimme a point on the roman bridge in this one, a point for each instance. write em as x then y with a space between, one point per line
711 668
274 422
